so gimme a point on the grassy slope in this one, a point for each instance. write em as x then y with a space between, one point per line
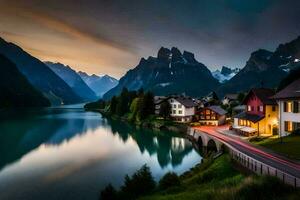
290 146
219 179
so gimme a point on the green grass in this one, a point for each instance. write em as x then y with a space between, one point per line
290 146
221 180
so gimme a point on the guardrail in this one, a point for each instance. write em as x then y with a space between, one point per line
256 166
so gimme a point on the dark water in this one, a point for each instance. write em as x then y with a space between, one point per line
66 153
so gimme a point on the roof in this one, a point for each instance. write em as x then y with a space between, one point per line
239 107
289 92
186 101
217 109
264 94
231 96
251 117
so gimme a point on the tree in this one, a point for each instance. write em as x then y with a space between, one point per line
241 97
113 104
108 193
123 103
147 107
141 183
134 108
169 180
165 109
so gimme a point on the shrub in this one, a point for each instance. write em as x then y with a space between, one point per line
108 193
169 180
141 183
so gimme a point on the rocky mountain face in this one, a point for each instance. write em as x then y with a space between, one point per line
265 68
16 91
99 84
39 75
73 80
225 74
169 73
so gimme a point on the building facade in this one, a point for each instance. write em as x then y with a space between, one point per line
212 116
289 108
261 114
183 108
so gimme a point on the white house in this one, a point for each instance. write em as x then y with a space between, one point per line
183 108
289 108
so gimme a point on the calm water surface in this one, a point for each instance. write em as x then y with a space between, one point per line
66 153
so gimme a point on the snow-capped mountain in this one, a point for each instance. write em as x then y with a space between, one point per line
99 84
225 74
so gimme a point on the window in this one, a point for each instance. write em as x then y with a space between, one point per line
288 126
174 112
273 108
207 112
174 106
295 107
179 106
249 108
288 106
261 108
180 112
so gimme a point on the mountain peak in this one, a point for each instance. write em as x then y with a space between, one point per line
164 54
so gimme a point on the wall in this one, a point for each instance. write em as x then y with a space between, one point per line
285 116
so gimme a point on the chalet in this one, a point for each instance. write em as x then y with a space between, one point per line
260 115
157 102
183 108
212 115
289 108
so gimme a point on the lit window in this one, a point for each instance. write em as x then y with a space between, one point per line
249 108
261 108
288 126
289 106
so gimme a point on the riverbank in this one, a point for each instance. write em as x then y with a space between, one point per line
222 178
152 122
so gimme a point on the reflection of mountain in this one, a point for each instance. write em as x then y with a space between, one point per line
29 131
169 147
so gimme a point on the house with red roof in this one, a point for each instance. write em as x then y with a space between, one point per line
260 116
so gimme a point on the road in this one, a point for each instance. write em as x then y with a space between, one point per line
258 153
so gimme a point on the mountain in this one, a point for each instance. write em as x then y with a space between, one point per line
39 75
99 84
225 74
16 91
73 80
265 68
169 73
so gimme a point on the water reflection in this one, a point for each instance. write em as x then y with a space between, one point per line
71 154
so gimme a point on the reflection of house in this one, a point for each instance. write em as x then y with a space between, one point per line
230 99
212 115
260 115
289 108
183 108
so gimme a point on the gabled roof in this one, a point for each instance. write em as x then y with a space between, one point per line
186 101
289 92
231 96
250 117
218 109
264 94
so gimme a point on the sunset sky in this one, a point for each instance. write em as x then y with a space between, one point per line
110 37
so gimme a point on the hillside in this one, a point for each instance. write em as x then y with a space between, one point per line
16 91
39 75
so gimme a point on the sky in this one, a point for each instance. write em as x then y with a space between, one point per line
111 36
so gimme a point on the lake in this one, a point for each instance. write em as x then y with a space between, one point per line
67 153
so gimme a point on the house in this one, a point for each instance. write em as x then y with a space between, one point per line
289 108
157 102
230 99
183 108
212 115
260 115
